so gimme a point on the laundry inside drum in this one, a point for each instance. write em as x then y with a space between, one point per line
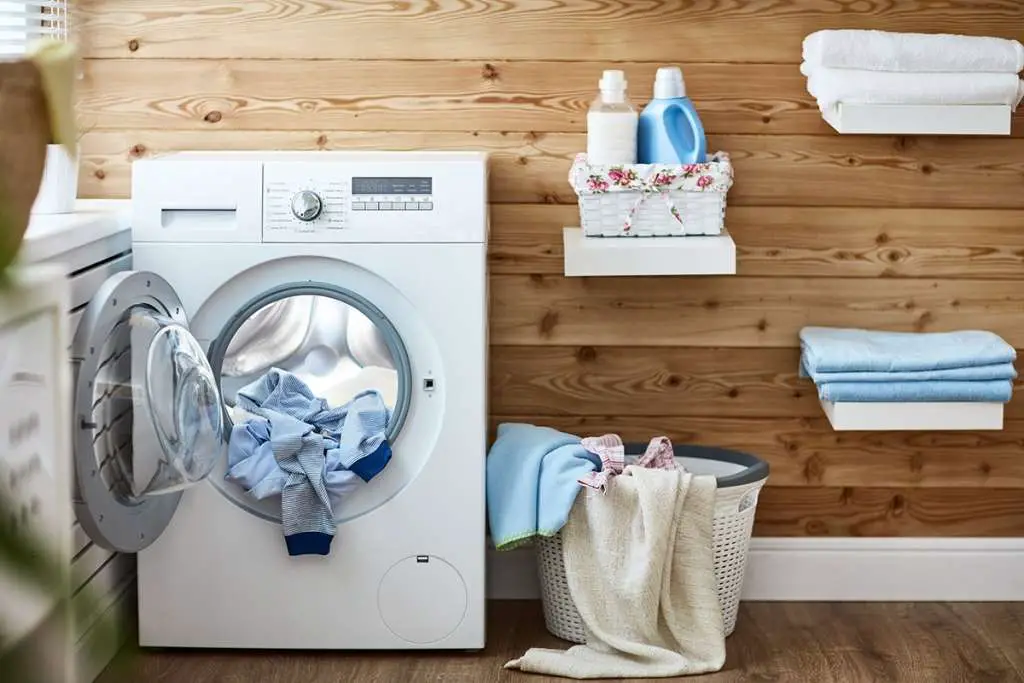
332 346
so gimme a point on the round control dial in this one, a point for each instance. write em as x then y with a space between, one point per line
307 205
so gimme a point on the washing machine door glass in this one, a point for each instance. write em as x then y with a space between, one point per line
149 420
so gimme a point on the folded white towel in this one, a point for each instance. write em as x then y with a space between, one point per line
884 51
832 86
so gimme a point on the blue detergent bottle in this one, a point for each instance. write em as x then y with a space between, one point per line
669 130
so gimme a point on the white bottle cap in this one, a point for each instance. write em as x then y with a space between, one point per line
613 85
669 83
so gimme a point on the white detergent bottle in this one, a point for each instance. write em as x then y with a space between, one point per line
611 123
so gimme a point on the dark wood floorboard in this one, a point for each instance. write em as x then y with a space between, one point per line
799 642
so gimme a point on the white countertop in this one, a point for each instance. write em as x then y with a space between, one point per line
92 220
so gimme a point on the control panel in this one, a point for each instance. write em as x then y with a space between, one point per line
308 197
298 200
392 194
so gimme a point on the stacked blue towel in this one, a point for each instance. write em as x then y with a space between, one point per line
869 366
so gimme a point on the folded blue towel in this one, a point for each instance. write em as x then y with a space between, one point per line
974 374
995 391
532 475
827 349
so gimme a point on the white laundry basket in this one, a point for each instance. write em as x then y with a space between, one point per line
740 478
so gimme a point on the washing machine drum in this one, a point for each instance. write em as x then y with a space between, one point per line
334 340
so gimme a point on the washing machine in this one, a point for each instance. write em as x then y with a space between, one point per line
351 271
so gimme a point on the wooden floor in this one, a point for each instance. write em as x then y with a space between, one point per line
800 642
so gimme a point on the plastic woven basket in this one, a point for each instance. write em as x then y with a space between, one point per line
740 478
652 200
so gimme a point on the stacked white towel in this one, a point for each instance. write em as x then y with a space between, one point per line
878 67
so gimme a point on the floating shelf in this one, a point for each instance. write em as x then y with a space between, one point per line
902 119
914 416
624 256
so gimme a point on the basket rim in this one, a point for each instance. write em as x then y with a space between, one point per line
756 468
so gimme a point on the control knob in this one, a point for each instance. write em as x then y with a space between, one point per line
307 205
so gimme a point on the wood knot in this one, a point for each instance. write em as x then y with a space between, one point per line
898 504
852 161
892 256
137 150
927 169
710 304
733 392
586 354
816 527
882 238
772 253
531 136
762 324
923 321
955 303
521 160
548 323
814 469
766 119
212 117
985 468
133 45
673 380
489 73
99 174
321 140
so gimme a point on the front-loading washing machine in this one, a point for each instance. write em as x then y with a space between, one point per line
351 271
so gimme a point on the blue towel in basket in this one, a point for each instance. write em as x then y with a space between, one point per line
532 481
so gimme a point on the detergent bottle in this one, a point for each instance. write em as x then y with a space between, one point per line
611 123
669 130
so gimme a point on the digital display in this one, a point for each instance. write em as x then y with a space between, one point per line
406 186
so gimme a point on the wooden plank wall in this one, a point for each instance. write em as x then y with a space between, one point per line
901 233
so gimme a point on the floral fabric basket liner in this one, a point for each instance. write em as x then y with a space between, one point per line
652 180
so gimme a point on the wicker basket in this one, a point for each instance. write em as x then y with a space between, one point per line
740 478
652 200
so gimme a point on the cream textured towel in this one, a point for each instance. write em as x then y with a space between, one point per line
640 567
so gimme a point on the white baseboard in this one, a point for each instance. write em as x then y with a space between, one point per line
840 569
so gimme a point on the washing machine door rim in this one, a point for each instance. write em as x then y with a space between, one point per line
130 523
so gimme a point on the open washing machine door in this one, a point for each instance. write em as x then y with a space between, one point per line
148 419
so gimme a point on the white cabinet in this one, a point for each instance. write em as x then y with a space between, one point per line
86 247
35 454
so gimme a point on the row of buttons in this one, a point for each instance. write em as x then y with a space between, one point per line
392 206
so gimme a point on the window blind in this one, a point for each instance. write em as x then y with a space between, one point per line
23 21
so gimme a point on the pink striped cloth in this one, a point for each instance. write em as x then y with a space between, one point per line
609 448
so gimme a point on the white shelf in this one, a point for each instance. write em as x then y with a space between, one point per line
914 416
905 119
625 256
